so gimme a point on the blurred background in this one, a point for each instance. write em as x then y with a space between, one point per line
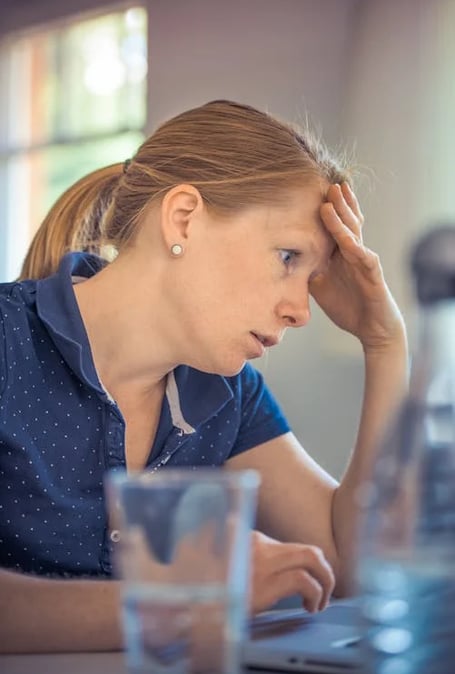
81 84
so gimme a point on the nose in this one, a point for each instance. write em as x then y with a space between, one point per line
295 313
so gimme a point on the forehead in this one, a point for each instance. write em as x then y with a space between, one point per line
300 207
299 217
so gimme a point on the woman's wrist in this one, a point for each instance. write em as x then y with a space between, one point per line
393 345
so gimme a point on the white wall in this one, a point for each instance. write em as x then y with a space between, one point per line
286 56
400 111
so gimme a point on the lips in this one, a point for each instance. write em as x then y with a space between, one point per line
266 340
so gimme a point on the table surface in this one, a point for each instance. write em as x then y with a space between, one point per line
64 663
89 663
68 663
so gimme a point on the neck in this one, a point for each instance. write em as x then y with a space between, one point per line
129 353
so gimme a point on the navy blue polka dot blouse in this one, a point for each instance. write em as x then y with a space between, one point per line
60 431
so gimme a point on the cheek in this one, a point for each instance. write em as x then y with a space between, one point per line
218 279
230 283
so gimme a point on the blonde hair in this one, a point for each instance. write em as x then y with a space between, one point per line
73 224
235 155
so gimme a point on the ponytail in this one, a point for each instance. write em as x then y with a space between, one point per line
74 223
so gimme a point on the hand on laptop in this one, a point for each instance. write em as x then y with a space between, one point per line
281 570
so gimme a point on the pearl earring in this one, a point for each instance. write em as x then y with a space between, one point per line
176 249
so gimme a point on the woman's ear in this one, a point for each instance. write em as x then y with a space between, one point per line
180 207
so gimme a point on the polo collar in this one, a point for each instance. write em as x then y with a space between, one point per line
57 308
193 396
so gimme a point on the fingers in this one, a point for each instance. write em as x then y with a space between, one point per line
283 569
308 565
343 219
342 202
289 583
346 205
298 581
352 201
345 238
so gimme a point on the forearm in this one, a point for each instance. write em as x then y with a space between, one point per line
47 615
386 381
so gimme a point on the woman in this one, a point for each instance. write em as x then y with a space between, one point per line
225 222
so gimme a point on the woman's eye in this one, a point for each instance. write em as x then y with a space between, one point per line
288 256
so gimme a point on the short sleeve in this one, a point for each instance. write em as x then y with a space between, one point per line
261 417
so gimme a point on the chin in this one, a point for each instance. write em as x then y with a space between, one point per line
232 372
225 368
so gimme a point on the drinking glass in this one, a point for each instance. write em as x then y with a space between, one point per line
183 554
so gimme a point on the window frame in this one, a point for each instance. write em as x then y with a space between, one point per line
14 231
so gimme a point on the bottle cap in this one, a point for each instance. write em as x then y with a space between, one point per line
433 265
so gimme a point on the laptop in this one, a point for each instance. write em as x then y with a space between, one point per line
293 640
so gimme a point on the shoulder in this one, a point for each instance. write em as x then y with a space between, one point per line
11 301
247 383
256 401
6 308
16 301
262 418
247 377
16 295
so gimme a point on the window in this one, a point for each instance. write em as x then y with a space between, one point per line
75 100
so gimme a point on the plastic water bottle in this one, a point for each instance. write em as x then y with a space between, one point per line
406 570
